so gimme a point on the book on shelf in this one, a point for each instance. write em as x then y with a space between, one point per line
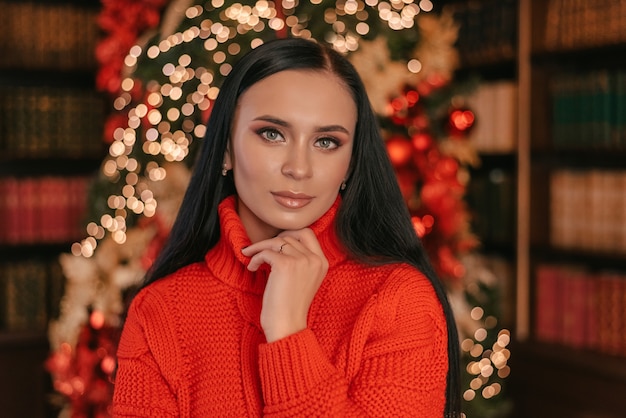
30 294
548 301
23 299
40 35
42 210
495 108
580 308
491 198
588 110
579 24
617 124
50 122
588 210
502 201
487 30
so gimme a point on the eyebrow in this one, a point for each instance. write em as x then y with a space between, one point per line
280 122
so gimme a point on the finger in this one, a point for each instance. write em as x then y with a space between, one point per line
292 246
272 244
265 256
303 237
289 247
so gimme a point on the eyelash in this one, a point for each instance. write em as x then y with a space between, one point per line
264 131
334 141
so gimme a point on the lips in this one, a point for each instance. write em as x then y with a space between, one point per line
292 200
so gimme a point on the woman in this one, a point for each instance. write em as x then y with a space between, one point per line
293 283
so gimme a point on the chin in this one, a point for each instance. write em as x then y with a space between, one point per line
292 225
294 221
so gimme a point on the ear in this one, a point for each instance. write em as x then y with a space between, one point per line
227 164
348 174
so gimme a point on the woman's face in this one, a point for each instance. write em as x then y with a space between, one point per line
290 150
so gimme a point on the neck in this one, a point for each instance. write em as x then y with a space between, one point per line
256 231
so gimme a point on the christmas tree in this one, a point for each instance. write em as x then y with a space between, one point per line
162 63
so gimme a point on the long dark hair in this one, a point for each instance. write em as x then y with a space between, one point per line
373 222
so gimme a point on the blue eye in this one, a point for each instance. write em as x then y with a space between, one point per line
327 143
269 134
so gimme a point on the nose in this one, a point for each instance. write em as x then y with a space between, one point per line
297 163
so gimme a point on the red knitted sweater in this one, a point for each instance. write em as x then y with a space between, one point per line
192 345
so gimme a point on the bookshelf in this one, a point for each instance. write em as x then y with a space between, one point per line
51 124
487 46
577 236
569 353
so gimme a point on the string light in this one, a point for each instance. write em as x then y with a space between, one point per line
488 363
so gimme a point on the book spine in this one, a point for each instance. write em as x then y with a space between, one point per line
45 35
581 309
548 306
584 23
24 297
30 294
622 204
50 122
596 196
13 215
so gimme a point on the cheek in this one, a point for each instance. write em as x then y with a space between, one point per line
253 165
341 169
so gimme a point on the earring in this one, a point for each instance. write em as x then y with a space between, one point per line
343 185
224 170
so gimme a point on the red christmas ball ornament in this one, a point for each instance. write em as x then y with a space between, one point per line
460 121
425 88
446 168
412 97
422 141
398 110
399 150
432 194
398 104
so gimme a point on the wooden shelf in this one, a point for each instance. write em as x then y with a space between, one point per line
17 339
581 158
80 78
593 259
15 252
552 380
504 68
584 58
490 161
33 167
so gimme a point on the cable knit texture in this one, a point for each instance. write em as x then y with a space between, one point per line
192 344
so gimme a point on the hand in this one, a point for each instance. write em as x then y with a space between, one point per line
298 267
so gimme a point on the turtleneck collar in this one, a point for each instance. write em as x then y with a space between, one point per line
228 264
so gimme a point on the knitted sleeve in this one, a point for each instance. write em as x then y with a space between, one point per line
398 363
142 387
